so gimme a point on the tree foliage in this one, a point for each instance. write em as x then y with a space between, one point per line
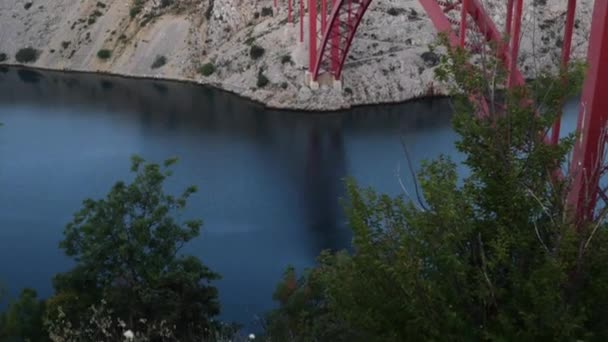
22 321
495 255
127 253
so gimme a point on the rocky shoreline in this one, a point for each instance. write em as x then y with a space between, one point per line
212 43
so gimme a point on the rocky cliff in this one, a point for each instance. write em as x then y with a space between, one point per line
212 42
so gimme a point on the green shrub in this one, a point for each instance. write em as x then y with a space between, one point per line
286 59
348 91
3 57
395 11
23 319
159 62
166 3
209 10
256 51
284 85
249 41
27 55
262 80
267 11
137 229
65 44
104 54
207 69
136 8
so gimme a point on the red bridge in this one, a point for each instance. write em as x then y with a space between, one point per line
336 23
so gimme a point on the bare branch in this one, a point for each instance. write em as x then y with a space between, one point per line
404 189
413 173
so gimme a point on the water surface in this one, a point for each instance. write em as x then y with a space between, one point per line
269 181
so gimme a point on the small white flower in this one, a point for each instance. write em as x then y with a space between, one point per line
129 334
251 336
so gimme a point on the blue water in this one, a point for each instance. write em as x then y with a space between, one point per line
269 181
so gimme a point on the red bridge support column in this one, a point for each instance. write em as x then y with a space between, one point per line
567 45
509 21
289 7
312 38
587 160
463 22
519 7
335 42
323 15
301 21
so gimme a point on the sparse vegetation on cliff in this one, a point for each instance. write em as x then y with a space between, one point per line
285 59
27 55
267 12
159 62
104 54
136 8
207 69
256 51
262 80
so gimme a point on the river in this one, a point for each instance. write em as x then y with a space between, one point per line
269 181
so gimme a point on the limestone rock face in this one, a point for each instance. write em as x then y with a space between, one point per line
389 60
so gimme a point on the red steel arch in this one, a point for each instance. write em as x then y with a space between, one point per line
456 18
345 17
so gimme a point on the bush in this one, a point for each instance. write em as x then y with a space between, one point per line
27 55
3 57
286 59
138 5
256 51
262 80
23 319
166 3
267 11
209 10
104 54
127 253
65 44
27 5
207 69
395 11
159 62
249 41
348 91
284 85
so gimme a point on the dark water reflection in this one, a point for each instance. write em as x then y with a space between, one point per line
269 181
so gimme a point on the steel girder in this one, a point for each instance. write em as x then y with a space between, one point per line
587 165
345 17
